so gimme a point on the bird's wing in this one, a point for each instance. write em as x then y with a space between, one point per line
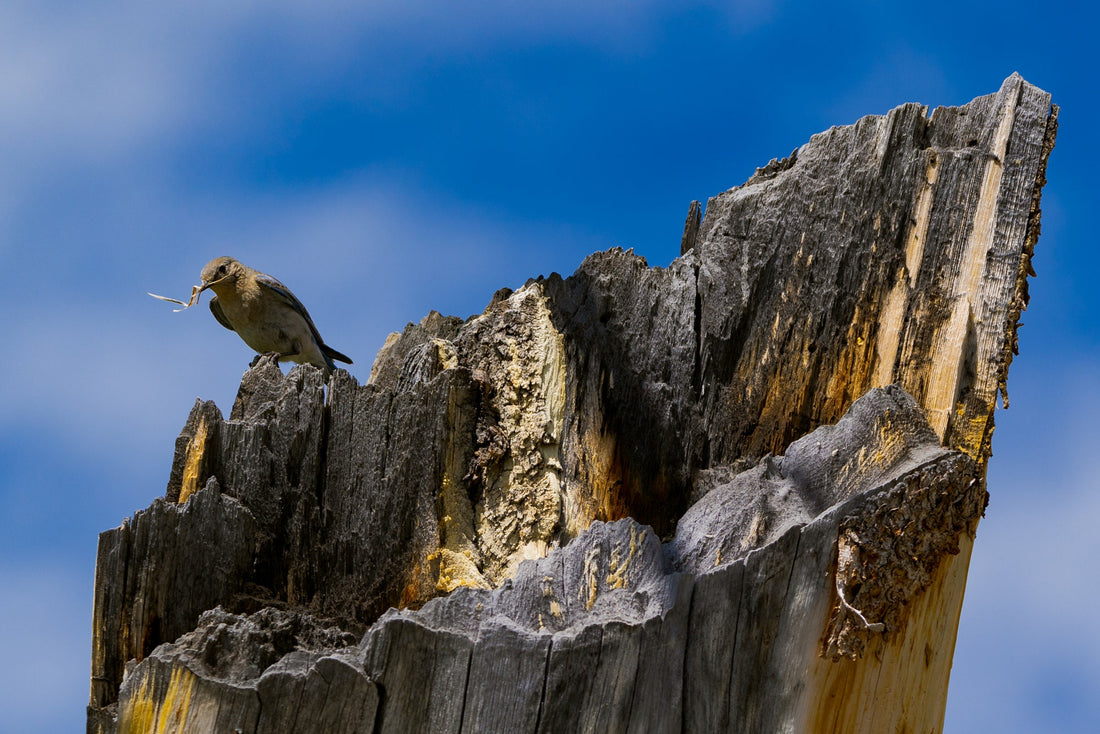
216 309
284 294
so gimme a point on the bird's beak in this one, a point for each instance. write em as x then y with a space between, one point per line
212 283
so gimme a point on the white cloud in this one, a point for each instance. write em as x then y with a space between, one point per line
88 81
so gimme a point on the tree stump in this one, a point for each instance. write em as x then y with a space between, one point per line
737 493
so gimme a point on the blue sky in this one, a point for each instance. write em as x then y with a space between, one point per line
384 161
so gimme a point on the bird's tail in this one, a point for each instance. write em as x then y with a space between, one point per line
331 354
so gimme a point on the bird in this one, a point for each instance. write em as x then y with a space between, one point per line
265 314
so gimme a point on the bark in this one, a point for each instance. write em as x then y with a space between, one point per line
633 499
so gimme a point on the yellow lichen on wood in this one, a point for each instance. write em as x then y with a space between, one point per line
900 682
139 712
617 568
890 323
151 712
590 589
453 569
455 563
853 372
947 374
445 353
891 319
597 497
192 468
918 232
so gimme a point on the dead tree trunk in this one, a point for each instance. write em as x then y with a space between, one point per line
636 499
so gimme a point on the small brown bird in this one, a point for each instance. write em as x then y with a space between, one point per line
265 314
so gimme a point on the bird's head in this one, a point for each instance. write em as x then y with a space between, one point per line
220 271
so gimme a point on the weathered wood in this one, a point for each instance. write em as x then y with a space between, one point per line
715 616
760 612
590 679
742 660
507 673
315 693
895 250
422 674
657 705
611 633
262 673
153 596
892 250
630 405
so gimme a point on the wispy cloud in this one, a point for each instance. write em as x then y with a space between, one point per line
100 351
103 95
99 79
46 686
1026 659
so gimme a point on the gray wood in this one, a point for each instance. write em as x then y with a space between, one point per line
422 673
691 227
763 598
258 674
571 680
507 675
715 608
614 632
313 693
153 596
608 692
658 690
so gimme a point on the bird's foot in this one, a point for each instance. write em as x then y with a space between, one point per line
273 356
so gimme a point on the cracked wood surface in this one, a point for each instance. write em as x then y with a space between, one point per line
895 250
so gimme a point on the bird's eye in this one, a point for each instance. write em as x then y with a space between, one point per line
221 270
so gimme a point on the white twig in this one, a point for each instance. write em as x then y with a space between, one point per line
873 626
